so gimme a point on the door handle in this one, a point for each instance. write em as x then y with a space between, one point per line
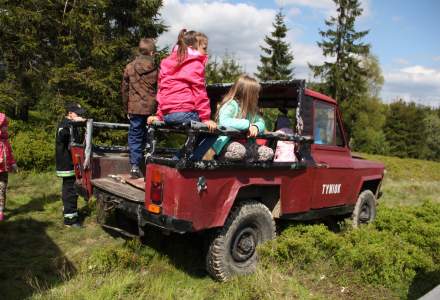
322 165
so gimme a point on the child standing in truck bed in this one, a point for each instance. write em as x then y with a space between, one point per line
138 91
239 110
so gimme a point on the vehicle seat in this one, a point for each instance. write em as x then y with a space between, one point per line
285 150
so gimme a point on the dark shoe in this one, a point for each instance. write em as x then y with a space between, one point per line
72 221
135 172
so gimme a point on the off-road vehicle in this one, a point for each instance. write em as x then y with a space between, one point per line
236 204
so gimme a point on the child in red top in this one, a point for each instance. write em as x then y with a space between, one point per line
182 96
7 162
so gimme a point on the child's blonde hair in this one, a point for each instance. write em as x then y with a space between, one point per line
189 39
245 91
202 40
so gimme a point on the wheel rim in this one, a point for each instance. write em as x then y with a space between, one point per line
365 214
245 244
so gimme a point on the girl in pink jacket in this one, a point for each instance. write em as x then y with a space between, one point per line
182 96
7 162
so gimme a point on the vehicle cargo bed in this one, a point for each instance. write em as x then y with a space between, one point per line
119 188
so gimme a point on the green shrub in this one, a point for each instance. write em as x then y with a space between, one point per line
303 245
402 245
132 255
417 225
381 257
34 149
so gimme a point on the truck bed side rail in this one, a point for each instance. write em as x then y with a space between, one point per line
231 132
192 130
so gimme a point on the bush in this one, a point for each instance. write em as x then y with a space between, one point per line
132 255
400 247
33 147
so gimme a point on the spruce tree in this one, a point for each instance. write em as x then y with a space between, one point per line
344 78
59 51
405 130
227 70
432 126
277 58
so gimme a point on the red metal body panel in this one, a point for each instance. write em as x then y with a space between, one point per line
300 190
209 208
84 176
319 96
336 171
295 192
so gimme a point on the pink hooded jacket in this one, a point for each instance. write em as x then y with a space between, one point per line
6 157
182 88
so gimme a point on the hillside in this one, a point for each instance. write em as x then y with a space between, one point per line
397 257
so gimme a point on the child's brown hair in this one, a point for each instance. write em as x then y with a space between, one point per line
245 91
147 46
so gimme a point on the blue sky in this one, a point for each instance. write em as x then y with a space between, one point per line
403 35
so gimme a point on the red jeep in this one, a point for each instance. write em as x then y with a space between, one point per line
237 203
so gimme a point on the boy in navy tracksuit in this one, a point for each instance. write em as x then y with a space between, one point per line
64 164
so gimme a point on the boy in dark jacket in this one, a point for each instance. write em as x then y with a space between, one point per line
64 164
138 91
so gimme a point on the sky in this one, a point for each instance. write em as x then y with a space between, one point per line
404 35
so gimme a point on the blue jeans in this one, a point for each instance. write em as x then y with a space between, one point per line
181 117
204 142
137 135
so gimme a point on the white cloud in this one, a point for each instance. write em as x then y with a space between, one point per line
420 72
415 83
436 58
295 11
401 61
236 28
327 7
319 4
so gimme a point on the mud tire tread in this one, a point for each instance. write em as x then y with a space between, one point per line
366 195
216 258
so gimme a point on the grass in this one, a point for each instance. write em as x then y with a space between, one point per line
409 181
41 259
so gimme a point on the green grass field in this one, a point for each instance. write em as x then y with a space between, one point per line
397 257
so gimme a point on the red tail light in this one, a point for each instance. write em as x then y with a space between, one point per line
156 191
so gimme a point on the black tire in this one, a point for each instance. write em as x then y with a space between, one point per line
102 215
232 249
365 209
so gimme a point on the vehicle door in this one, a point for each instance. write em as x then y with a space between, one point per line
333 172
81 158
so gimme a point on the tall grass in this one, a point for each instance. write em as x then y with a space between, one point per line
397 257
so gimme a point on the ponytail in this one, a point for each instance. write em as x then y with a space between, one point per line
185 39
182 47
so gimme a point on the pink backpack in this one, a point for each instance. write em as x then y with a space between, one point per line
285 151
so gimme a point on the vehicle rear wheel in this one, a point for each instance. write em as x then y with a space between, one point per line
102 213
365 209
232 249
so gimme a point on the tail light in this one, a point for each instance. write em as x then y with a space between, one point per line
156 191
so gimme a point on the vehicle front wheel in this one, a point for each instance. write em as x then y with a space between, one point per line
232 249
365 209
